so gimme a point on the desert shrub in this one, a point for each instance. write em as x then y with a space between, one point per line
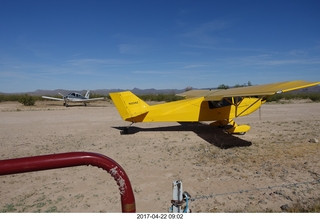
315 97
27 100
274 98
305 207
94 95
289 96
160 97
6 97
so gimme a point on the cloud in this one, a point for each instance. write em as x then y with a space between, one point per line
268 60
154 72
130 49
194 66
100 62
137 49
207 32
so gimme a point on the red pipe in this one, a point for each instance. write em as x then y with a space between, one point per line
63 160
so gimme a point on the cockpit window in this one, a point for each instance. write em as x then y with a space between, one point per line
237 99
225 102
218 104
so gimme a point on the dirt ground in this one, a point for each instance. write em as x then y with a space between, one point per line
272 167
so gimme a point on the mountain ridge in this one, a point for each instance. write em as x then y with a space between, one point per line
40 92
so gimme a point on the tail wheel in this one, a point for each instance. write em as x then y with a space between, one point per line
124 131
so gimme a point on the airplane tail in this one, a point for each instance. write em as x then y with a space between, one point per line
87 94
130 107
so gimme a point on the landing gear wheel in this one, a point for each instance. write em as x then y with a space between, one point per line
242 133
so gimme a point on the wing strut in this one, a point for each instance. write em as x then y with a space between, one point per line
238 115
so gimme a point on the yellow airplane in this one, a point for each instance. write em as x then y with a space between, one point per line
219 106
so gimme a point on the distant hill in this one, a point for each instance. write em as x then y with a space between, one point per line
101 91
314 89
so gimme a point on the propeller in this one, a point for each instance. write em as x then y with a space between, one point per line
65 98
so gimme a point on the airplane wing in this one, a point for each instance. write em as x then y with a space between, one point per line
82 100
52 98
93 99
259 90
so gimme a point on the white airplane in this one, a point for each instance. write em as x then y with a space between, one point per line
74 97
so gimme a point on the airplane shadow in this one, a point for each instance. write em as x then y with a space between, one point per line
72 105
82 105
212 135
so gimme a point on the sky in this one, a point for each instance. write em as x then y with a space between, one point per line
161 44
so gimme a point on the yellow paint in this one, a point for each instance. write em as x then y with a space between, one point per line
220 106
133 109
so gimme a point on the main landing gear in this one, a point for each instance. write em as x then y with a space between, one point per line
235 129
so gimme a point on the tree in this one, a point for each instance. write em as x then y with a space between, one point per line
244 85
223 86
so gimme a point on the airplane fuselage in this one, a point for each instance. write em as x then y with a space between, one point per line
220 106
74 97
193 110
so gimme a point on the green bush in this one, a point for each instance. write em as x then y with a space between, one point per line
7 97
160 97
315 97
27 100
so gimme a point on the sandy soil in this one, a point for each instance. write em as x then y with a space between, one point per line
272 166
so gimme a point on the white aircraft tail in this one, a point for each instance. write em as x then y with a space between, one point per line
87 94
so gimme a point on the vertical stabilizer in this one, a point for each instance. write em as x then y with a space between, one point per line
130 107
87 94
